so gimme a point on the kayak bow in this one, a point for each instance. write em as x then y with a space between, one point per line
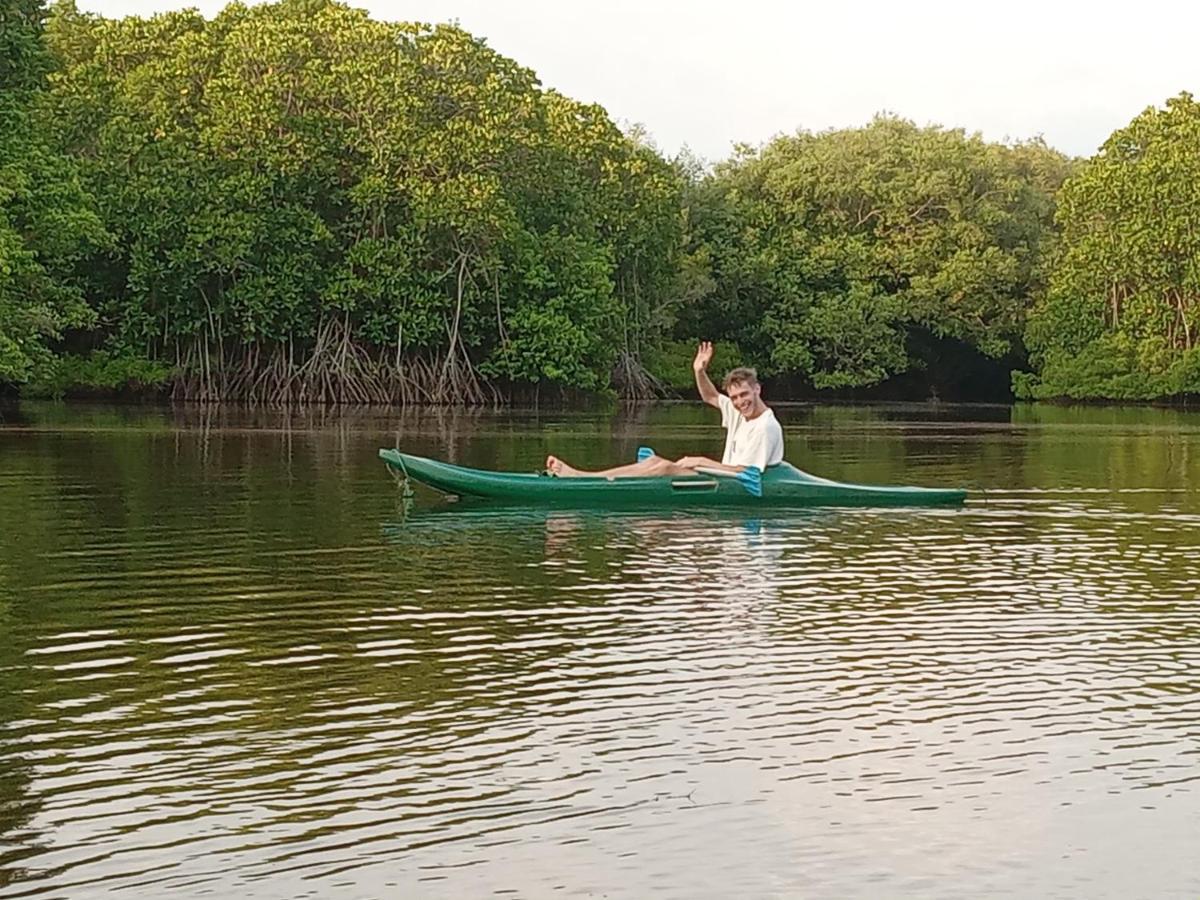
782 485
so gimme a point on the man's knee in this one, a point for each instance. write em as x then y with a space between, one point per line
669 467
660 466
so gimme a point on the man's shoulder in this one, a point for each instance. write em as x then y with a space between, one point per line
729 414
771 424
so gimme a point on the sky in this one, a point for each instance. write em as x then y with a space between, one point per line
710 75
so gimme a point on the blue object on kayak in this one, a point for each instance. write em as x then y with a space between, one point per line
751 479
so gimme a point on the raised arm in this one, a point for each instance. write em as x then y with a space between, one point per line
708 391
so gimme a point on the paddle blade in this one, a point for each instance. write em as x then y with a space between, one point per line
644 453
751 479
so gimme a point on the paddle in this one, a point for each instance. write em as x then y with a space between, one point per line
749 478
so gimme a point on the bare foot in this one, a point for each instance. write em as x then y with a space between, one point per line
556 466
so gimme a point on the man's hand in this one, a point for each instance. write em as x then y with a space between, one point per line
703 462
708 391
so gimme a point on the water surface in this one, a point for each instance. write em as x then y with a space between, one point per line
231 665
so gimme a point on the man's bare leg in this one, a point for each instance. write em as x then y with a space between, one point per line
652 465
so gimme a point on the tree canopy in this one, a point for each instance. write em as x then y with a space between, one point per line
829 249
47 225
294 202
312 204
1121 318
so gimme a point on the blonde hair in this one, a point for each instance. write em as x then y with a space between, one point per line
740 375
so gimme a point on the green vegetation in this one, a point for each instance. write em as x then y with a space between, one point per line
101 372
1121 318
47 225
296 203
310 205
830 251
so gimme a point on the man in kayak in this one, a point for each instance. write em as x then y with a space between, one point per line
752 433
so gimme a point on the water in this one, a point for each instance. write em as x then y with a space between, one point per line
230 665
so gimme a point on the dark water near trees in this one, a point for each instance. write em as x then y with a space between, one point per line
228 666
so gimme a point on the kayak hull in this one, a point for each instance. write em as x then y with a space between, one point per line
782 486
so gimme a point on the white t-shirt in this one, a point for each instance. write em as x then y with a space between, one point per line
750 442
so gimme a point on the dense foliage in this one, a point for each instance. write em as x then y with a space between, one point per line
309 204
829 251
47 226
1121 319
294 202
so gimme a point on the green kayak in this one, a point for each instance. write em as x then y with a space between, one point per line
780 486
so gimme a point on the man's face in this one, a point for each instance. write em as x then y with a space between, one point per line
744 396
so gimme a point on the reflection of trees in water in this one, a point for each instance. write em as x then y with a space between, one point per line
284 656
11 413
440 648
19 803
27 525
1106 417
358 671
1150 455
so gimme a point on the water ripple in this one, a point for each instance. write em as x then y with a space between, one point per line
259 684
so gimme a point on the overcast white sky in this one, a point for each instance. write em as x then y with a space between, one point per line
711 74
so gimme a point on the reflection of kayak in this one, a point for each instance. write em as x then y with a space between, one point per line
781 485
472 519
